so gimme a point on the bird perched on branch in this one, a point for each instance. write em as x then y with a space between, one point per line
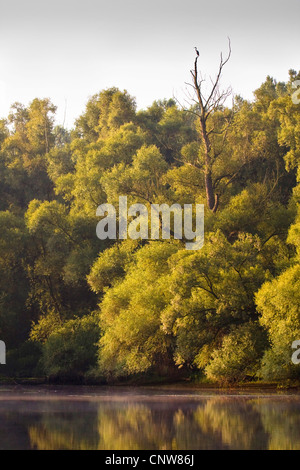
197 52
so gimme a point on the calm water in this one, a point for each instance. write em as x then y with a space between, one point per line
145 418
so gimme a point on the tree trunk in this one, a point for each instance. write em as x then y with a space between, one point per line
210 196
207 106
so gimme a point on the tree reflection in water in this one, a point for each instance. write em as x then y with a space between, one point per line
220 422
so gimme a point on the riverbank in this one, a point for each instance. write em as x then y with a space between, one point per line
182 384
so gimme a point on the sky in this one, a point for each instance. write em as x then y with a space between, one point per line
69 50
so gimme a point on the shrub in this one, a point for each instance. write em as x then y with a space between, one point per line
239 356
71 350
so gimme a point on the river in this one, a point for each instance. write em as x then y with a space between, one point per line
146 418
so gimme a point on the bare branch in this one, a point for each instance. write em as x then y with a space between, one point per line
222 63
207 129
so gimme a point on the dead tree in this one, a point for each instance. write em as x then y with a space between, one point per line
205 106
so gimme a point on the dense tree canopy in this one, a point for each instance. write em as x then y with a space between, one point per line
75 306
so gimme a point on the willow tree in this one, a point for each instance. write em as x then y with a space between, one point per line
205 105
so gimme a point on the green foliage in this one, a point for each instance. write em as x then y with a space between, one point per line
239 356
142 179
132 307
25 151
46 325
105 112
278 302
133 340
208 297
24 361
110 265
70 351
13 281
83 186
167 127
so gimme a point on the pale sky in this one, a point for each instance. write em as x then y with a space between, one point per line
68 50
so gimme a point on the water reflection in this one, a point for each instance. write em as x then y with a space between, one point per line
116 421
281 420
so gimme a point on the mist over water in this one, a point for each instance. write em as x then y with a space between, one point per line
146 419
